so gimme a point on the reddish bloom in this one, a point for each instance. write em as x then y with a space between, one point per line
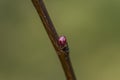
62 41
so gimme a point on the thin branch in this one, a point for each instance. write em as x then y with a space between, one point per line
61 50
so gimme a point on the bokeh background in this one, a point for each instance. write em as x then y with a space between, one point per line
91 26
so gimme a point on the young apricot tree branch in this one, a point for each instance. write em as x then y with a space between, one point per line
59 43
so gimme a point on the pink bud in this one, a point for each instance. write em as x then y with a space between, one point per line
62 41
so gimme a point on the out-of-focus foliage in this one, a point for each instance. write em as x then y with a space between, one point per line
91 26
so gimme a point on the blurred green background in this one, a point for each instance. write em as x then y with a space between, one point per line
91 26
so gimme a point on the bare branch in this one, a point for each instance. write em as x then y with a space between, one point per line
59 43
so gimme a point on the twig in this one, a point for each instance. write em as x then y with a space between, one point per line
59 43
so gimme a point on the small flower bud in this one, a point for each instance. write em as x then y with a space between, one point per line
62 41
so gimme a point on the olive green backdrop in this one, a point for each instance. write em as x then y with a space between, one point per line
91 26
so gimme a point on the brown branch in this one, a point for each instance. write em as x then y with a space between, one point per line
61 51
